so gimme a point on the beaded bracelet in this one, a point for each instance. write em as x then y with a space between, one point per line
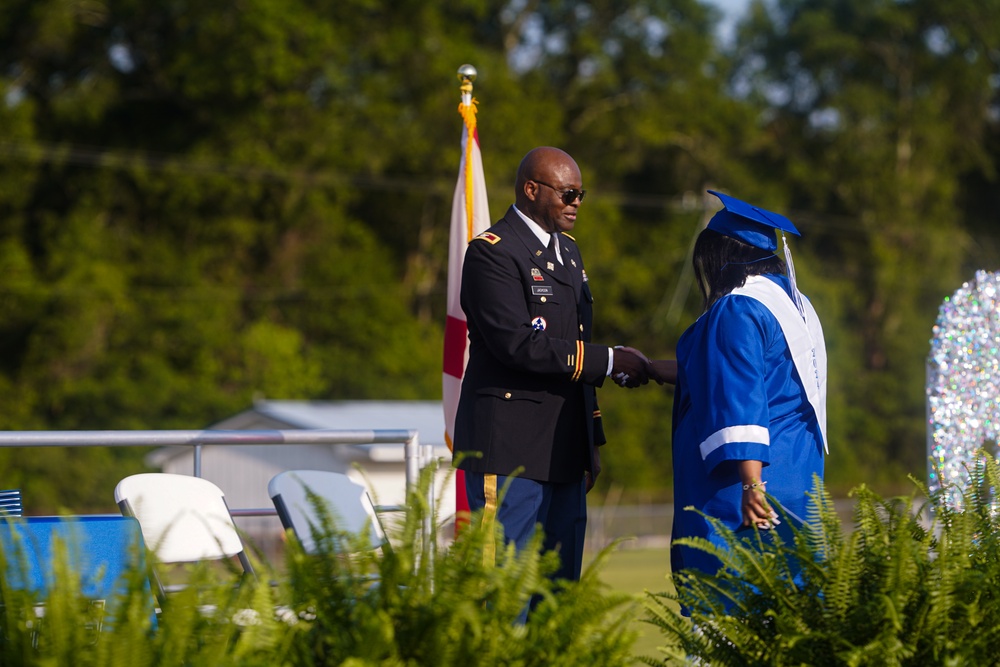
747 487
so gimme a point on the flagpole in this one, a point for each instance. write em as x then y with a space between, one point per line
470 216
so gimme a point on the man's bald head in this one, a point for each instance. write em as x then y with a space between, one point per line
541 163
543 175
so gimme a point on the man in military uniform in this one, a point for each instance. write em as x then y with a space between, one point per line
528 414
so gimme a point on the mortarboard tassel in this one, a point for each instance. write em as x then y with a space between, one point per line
790 267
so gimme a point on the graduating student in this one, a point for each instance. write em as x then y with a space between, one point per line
749 409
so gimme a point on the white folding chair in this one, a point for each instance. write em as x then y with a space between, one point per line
183 519
346 502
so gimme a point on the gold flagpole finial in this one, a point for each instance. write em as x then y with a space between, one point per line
467 107
467 74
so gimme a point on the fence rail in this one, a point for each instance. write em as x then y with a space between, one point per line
416 456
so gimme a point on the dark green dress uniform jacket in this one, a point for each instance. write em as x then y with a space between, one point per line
528 399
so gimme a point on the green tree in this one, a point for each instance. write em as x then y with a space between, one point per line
879 109
203 203
185 218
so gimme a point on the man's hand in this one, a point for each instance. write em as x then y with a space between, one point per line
629 368
592 476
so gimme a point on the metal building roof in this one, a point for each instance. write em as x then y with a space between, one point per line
427 417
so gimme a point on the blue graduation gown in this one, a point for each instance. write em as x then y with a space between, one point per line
739 397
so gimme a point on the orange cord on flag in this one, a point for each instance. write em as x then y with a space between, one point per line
468 113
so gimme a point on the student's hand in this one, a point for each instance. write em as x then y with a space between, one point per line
756 510
664 371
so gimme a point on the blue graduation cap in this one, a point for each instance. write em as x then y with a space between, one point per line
749 223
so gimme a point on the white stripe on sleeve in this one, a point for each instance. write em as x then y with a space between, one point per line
745 433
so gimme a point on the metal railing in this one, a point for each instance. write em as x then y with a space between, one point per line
416 456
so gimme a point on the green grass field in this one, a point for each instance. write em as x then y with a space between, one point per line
636 571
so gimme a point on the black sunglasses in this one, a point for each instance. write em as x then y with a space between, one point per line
568 196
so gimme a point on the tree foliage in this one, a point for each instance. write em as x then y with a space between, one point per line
205 202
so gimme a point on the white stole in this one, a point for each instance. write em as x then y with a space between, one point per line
804 335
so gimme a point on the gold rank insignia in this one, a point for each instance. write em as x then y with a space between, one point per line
488 236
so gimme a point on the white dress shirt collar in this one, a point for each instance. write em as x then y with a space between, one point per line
543 236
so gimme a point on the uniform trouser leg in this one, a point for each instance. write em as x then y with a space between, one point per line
565 526
520 504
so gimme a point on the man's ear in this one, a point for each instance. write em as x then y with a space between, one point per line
531 190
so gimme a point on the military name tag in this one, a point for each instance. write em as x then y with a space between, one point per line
541 290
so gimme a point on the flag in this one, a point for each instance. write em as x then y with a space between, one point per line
469 217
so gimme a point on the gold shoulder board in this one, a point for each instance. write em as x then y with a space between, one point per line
570 237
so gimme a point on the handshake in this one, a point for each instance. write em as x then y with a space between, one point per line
631 368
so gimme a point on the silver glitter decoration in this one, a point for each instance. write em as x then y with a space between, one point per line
963 378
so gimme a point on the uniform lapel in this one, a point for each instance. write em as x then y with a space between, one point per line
554 268
571 261
543 257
